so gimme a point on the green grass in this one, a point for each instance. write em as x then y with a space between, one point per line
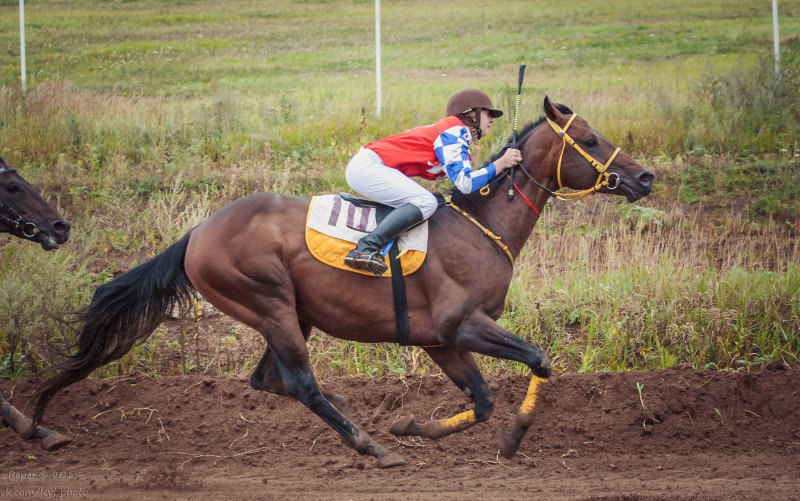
143 117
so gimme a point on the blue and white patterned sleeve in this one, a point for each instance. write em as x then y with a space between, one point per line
452 151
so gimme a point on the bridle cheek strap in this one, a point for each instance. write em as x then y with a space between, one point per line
600 168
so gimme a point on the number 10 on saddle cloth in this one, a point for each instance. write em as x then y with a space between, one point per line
334 225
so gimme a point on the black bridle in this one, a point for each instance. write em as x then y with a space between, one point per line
10 216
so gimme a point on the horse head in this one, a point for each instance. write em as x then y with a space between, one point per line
591 163
25 214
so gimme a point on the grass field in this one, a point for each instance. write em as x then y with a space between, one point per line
142 117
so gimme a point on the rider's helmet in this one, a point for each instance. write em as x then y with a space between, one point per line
464 102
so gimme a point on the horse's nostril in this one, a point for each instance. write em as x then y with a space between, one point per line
62 227
646 178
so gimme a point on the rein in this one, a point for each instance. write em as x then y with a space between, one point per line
12 218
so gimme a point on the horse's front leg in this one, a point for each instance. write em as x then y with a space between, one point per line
460 367
480 334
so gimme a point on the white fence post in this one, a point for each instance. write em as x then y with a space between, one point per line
22 41
777 39
377 54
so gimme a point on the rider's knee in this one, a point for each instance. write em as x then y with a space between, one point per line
426 203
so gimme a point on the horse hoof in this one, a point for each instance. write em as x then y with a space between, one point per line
544 370
55 441
390 460
404 426
509 443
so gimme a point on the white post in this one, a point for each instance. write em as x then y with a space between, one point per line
777 40
377 54
22 41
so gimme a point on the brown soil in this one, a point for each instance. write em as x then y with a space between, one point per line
674 434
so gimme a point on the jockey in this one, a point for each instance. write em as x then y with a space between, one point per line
382 171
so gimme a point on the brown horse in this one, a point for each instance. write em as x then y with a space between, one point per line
250 260
25 214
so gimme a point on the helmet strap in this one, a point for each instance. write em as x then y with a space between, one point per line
476 129
472 119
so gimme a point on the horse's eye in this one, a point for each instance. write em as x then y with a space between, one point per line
591 142
12 188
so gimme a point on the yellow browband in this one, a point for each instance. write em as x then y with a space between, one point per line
597 165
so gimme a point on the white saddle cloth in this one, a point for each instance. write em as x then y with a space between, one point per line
336 217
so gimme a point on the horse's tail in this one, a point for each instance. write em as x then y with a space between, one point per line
123 311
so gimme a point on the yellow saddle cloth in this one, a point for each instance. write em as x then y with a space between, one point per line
334 225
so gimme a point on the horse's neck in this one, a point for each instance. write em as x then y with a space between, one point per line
511 220
514 220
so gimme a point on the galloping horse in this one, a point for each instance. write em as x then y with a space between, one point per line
250 260
25 214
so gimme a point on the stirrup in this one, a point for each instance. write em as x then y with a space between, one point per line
368 262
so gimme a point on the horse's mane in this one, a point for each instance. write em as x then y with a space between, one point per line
525 131
459 197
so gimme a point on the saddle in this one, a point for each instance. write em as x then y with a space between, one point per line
336 222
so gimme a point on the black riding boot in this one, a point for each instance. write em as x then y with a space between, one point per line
367 254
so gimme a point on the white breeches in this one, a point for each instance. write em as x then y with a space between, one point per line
370 177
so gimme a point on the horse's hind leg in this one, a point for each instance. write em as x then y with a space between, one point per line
461 368
17 421
267 377
291 358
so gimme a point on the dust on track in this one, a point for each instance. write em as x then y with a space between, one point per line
672 434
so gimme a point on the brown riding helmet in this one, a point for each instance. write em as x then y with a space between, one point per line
469 99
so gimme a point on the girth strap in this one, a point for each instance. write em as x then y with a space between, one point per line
399 298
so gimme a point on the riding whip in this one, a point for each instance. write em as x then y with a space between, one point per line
514 140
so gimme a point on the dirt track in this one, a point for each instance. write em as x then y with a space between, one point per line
691 435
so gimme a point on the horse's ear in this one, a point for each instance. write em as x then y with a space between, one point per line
550 110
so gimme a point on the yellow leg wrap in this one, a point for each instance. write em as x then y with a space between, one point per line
464 419
533 392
